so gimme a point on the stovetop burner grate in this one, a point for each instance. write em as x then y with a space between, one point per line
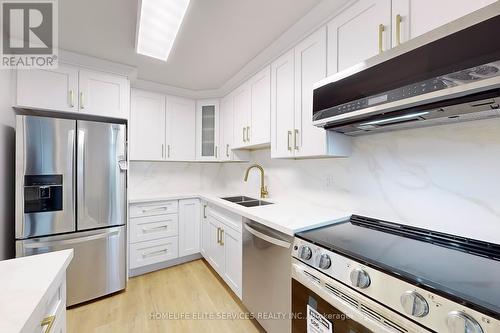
472 246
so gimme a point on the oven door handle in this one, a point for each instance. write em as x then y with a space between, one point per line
267 238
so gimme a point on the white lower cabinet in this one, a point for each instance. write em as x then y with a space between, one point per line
189 226
222 245
162 231
153 252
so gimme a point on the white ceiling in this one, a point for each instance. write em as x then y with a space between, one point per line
216 39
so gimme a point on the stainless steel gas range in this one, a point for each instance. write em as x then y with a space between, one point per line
366 275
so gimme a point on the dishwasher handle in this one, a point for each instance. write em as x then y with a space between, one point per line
267 238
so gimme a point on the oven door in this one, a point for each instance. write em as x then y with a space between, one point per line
321 304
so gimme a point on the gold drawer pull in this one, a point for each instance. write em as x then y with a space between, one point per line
398 29
49 322
381 29
221 237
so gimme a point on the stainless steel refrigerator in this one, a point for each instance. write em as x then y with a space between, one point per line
71 193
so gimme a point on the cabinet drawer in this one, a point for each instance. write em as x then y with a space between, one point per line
152 252
153 208
153 227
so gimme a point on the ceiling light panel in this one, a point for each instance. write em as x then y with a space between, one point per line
159 24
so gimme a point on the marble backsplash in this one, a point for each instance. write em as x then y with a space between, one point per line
445 178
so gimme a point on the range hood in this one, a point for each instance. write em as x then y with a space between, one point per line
448 75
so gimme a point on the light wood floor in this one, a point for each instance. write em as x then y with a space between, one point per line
184 289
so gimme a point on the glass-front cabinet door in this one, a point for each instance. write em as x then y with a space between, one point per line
207 130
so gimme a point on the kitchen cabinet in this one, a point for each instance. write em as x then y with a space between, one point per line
361 31
226 135
54 89
162 127
103 94
242 101
72 89
222 245
180 129
252 117
293 76
233 262
258 132
226 128
282 105
416 17
207 130
147 126
205 232
189 226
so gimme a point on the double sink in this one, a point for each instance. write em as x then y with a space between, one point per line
247 201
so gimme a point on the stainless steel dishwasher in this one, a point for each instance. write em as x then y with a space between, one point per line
266 276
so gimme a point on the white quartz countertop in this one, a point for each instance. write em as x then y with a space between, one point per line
287 217
25 281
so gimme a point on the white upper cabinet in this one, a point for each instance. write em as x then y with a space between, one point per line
162 127
282 106
416 17
292 78
72 89
358 33
189 226
104 94
207 130
180 129
310 67
55 89
252 116
226 128
147 126
242 107
260 108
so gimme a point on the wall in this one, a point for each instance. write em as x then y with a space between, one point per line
445 178
7 144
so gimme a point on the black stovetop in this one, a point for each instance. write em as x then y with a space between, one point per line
464 270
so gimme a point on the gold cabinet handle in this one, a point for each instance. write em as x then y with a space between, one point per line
71 99
204 211
221 237
218 235
168 151
81 100
162 150
227 150
381 29
248 133
399 19
244 137
295 140
289 139
49 322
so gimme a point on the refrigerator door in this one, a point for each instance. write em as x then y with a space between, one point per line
101 174
98 265
45 168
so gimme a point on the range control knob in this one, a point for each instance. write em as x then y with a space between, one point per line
414 304
324 261
305 252
460 322
360 278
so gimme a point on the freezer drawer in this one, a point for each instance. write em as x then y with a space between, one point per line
98 267
101 174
